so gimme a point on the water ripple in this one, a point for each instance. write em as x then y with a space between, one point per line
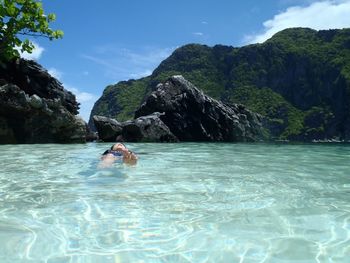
181 203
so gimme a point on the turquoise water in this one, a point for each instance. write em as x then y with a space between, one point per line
181 203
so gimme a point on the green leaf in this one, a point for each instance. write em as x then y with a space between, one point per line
23 17
51 17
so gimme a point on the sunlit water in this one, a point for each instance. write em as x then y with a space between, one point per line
180 203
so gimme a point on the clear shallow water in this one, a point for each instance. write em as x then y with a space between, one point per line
181 203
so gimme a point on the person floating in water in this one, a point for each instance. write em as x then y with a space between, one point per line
118 153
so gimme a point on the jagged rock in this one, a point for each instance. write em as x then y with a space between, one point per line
283 78
108 129
193 116
144 129
80 130
32 78
148 128
35 108
36 102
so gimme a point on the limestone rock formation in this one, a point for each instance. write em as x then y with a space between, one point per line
35 108
178 111
299 80
108 129
144 129
193 116
147 128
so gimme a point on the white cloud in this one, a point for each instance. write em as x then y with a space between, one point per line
122 63
55 73
100 61
319 15
198 34
82 96
204 22
148 58
35 55
295 2
85 99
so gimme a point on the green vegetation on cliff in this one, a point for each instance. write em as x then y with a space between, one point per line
299 80
120 101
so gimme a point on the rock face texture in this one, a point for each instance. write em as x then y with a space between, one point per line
178 111
299 80
144 129
108 129
147 128
193 116
35 108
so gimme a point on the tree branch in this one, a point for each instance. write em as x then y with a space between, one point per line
33 35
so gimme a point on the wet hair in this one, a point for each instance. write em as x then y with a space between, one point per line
111 149
117 143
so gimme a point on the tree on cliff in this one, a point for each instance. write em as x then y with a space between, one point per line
20 19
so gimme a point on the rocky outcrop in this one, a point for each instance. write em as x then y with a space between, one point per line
35 108
108 129
148 128
144 129
193 116
178 111
284 79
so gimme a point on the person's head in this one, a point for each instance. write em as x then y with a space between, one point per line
118 147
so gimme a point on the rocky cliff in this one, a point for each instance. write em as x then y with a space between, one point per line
299 80
35 108
178 111
193 116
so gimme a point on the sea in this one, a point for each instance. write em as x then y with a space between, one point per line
182 202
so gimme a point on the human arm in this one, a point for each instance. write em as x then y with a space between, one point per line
129 157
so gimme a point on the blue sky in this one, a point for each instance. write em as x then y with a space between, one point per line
107 41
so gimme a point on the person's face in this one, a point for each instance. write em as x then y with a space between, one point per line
118 147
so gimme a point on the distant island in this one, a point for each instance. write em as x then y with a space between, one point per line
299 81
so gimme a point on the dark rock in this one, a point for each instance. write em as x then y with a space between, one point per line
36 102
148 128
193 116
91 136
35 108
144 129
32 78
6 133
108 129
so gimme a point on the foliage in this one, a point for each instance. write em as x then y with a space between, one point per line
263 101
121 100
20 18
130 96
297 78
271 105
